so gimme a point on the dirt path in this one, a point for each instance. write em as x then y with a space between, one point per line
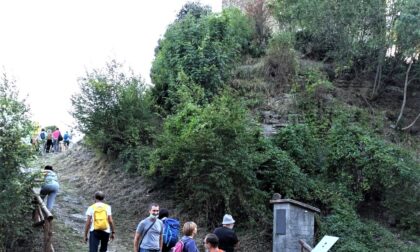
72 202
81 173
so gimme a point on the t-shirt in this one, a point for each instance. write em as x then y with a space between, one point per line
227 238
50 178
189 244
55 134
89 212
66 137
152 239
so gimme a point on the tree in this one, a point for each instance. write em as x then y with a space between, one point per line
15 195
113 111
407 31
204 50
194 9
208 153
350 33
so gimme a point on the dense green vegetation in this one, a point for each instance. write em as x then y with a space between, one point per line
15 152
196 132
114 113
201 48
207 145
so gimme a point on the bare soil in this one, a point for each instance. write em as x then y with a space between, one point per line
81 172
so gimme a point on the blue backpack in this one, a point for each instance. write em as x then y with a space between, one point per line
170 232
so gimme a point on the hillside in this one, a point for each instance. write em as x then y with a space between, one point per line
81 173
238 113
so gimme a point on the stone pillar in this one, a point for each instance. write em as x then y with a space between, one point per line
293 220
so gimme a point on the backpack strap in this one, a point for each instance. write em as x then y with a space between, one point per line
185 242
147 230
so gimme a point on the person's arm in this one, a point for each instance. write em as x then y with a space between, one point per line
236 246
111 223
161 241
137 237
87 227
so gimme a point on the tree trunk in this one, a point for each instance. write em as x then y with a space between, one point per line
378 76
412 124
405 93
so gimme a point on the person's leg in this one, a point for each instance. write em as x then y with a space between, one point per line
93 241
51 197
48 146
55 143
104 237
45 190
165 249
51 191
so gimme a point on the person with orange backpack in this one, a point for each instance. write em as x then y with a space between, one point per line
99 224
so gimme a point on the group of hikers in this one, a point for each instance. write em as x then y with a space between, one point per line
51 141
156 233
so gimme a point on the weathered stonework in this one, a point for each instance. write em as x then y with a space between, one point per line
241 4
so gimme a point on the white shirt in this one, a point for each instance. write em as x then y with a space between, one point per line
89 213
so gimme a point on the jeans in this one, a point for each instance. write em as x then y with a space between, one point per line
149 250
96 237
51 191
56 146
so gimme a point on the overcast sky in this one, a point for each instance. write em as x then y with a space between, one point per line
46 45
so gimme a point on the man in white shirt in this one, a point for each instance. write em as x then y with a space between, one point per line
99 224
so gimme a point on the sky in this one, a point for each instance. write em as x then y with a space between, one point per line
46 45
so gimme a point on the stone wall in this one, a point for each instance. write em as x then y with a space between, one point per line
241 4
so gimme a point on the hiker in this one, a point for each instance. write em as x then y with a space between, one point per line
228 240
55 135
187 243
170 230
99 224
42 135
149 232
42 139
211 243
50 186
49 141
66 140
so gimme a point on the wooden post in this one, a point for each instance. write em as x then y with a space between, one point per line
305 246
44 217
48 236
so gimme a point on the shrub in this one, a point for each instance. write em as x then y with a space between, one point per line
203 49
114 112
208 154
15 196
194 9
260 16
349 171
278 173
281 62
303 146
